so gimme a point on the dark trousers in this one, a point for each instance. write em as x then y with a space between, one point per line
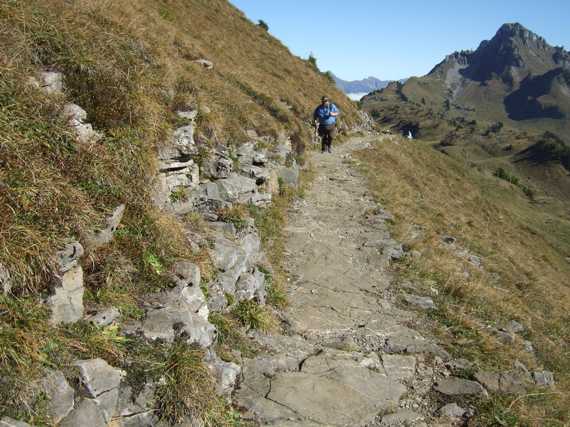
327 134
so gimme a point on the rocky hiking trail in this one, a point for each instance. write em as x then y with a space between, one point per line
349 358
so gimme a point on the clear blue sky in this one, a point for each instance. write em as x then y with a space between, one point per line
395 39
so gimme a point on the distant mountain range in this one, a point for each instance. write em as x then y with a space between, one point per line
366 85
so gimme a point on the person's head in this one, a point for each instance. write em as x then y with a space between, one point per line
325 100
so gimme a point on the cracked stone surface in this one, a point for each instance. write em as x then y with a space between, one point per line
350 355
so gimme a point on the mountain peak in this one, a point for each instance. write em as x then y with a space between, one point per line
517 31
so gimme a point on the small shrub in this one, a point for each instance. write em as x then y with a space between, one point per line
187 389
313 61
236 215
253 316
262 24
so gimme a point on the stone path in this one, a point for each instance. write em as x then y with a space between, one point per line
349 359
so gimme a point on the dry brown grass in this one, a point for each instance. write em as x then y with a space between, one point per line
130 66
525 273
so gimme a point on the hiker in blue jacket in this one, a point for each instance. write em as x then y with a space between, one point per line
325 118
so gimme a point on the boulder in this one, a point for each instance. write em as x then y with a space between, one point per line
51 82
86 413
104 236
60 395
66 303
102 383
452 410
104 317
454 386
221 168
75 117
236 188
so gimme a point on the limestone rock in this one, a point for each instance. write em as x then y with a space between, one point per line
51 82
425 303
219 167
104 317
543 378
60 395
259 159
234 259
226 374
251 286
261 199
236 188
9 422
187 115
289 176
454 386
183 139
75 116
69 256
181 312
136 410
514 327
102 383
528 347
399 367
208 65
5 280
452 410
407 341
290 386
104 236
87 413
403 419
67 301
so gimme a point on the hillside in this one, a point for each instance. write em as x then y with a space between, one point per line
496 265
147 149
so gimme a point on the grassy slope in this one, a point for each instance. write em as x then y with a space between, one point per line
129 64
525 249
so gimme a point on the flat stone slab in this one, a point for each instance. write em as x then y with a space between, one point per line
311 393
454 386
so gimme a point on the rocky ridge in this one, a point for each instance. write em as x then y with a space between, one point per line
181 313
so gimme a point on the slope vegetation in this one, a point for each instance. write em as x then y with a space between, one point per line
131 66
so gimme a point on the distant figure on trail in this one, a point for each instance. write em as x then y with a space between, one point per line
325 120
